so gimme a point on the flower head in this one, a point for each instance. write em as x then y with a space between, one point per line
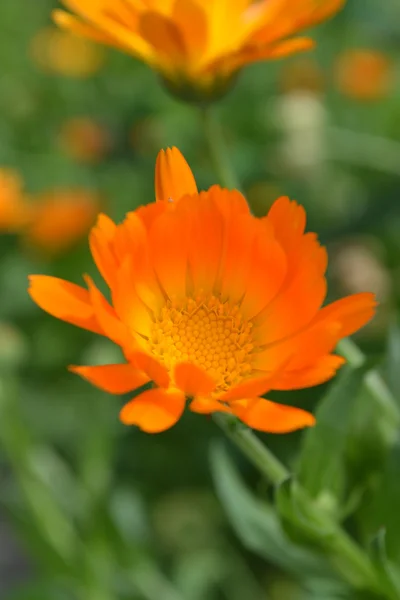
210 304
60 218
198 46
84 140
14 210
364 74
60 52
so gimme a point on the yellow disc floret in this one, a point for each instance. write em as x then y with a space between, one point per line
208 333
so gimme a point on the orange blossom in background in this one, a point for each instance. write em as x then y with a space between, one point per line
198 46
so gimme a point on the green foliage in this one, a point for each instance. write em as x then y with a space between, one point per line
321 461
104 512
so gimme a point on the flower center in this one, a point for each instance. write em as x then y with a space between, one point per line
208 333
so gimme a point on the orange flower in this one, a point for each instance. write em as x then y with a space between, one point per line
60 52
210 304
60 218
364 74
85 140
14 210
198 46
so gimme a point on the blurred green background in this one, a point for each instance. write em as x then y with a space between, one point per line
90 509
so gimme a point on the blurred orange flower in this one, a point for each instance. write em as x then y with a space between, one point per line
209 303
198 46
364 74
302 74
60 218
14 210
84 140
66 54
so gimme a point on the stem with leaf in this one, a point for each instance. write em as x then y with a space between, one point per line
351 561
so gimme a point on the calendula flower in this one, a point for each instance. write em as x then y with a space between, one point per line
85 140
14 210
59 219
198 46
364 74
65 54
210 304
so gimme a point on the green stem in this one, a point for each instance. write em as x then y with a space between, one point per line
350 560
253 448
218 150
372 381
346 556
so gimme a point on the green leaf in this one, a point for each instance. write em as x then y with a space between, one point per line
389 573
257 525
382 510
299 519
33 477
36 590
320 469
392 362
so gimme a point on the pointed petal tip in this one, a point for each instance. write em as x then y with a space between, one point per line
173 176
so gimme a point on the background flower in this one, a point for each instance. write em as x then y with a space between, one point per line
78 489
198 47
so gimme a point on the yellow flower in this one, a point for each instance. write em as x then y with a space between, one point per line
60 52
198 46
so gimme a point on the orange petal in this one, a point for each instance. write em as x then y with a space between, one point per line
163 35
283 18
101 246
168 244
288 220
193 380
302 349
174 178
301 295
154 410
288 47
78 27
111 325
128 306
191 19
240 232
205 406
205 229
114 379
147 214
324 369
256 386
258 53
266 273
271 417
149 365
65 301
353 312
123 35
229 202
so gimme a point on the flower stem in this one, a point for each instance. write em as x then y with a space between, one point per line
350 560
253 448
345 555
217 148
